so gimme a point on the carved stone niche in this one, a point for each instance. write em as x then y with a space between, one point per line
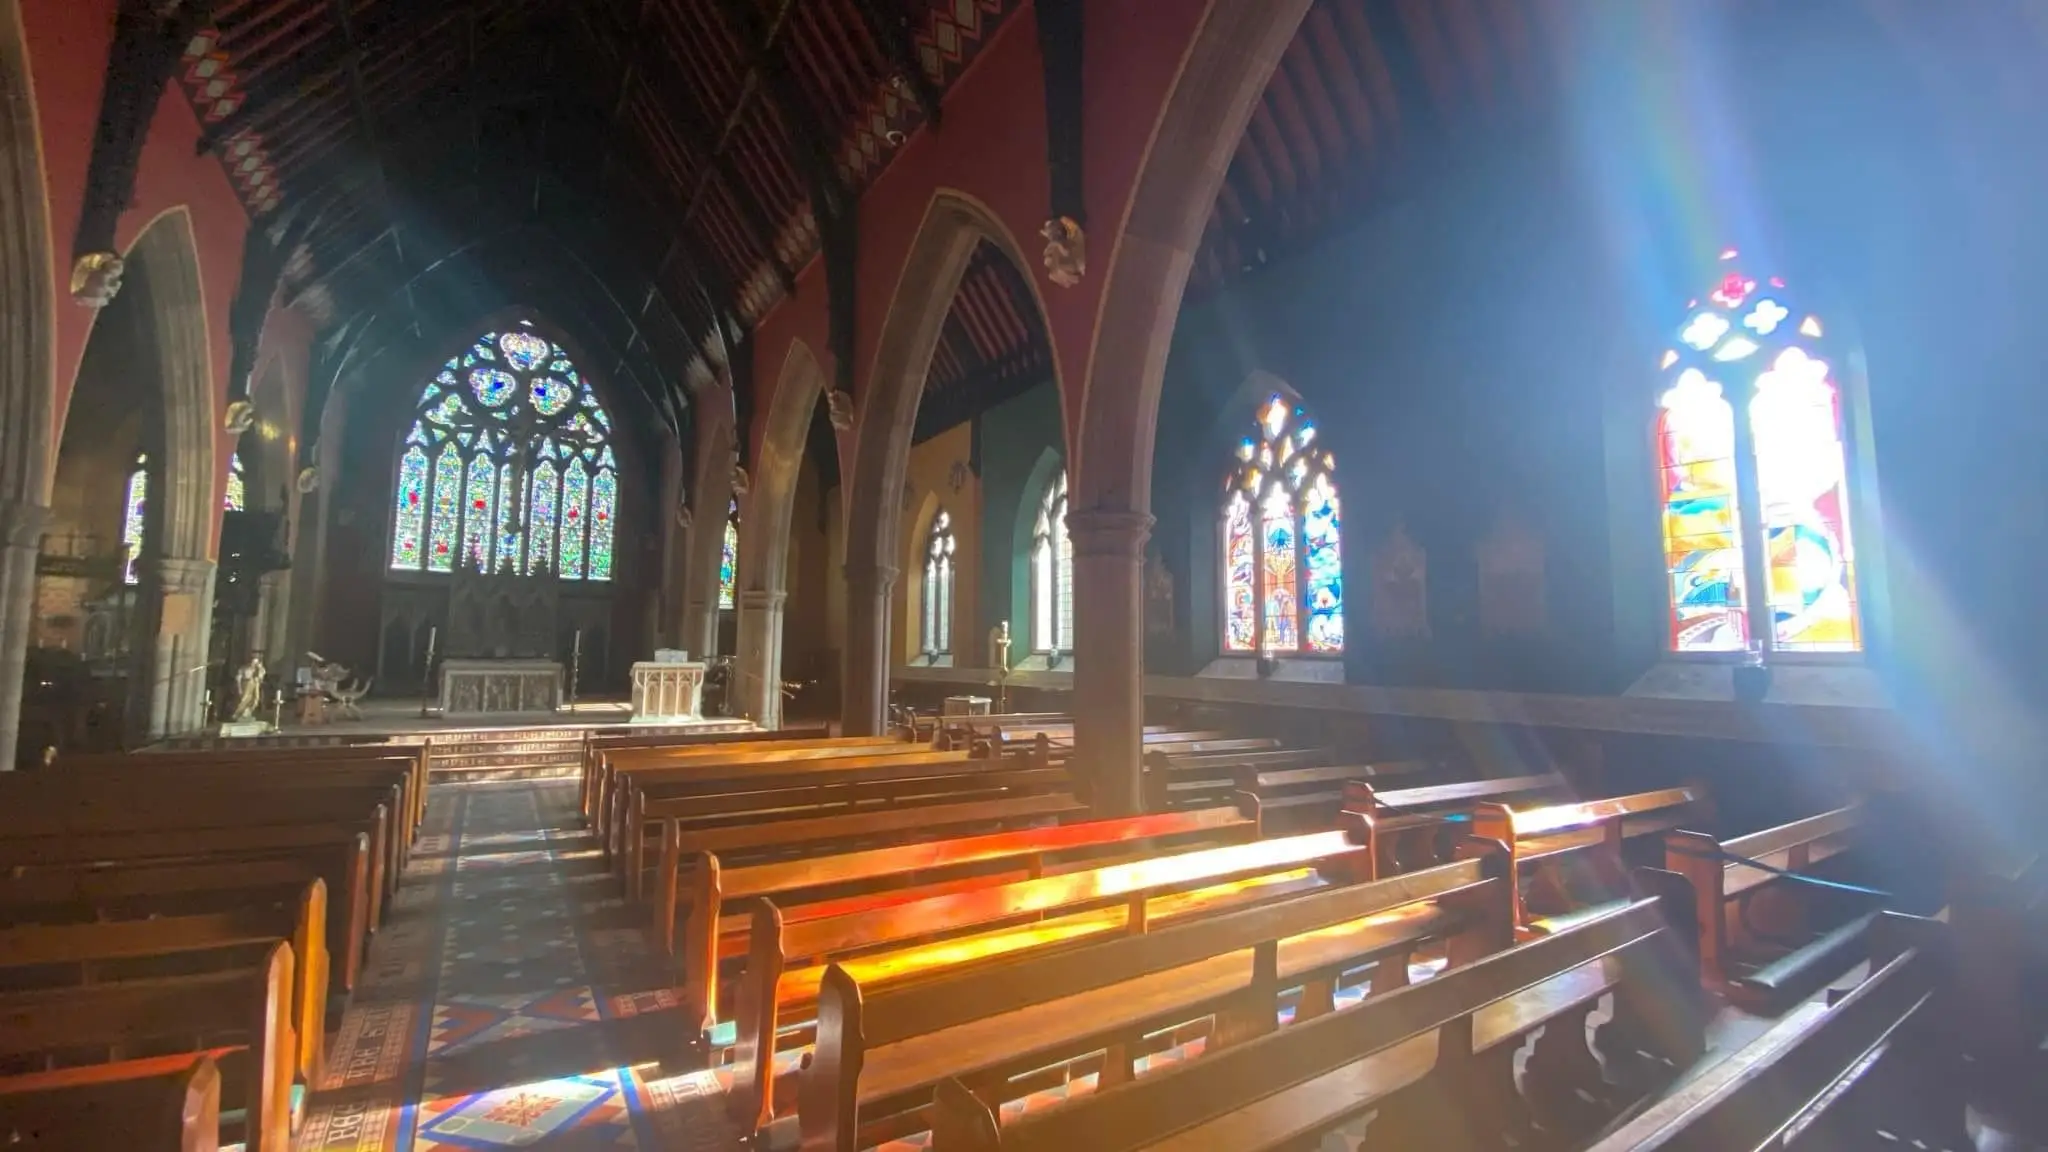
1400 587
1512 596
500 616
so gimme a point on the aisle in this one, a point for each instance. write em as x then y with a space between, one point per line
507 999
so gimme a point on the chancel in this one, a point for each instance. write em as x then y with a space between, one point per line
1005 575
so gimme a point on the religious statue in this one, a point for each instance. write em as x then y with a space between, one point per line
249 688
1066 251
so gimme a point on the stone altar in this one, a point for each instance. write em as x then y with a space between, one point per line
665 691
474 687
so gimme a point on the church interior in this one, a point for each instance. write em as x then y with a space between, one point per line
995 575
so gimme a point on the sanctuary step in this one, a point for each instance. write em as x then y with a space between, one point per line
506 754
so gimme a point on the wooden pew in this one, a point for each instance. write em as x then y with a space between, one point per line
759 842
1436 1058
1871 1069
1314 795
161 1104
1719 878
861 881
260 919
1199 777
879 1054
1593 831
961 732
2000 914
602 742
924 937
1414 827
1053 747
125 866
254 1002
158 818
266 763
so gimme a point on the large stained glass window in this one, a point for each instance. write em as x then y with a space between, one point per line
237 499
1283 565
131 522
1777 571
508 466
729 559
1052 572
938 586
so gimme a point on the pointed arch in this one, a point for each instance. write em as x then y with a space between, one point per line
165 257
764 546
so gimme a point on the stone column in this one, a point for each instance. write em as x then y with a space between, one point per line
1109 653
177 676
700 626
865 708
273 615
21 534
757 670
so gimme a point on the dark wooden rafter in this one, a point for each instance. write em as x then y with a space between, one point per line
1061 34
149 38
366 120
892 31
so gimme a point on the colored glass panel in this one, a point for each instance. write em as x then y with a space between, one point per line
575 518
411 515
1802 485
1240 584
550 395
508 527
493 386
1052 584
1276 553
479 500
237 498
1321 540
446 515
1702 541
938 585
604 509
544 498
729 565
131 523
523 350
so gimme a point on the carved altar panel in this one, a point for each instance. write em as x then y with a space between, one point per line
501 616
481 687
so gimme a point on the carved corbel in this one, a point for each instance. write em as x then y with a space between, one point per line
1066 251
96 279
839 408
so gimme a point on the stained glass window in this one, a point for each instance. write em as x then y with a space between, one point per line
131 523
508 466
238 485
938 586
1052 572
1743 346
1283 564
729 558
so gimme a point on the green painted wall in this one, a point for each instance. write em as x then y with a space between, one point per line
1020 442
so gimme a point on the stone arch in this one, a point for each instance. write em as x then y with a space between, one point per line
764 533
166 257
27 369
954 224
710 497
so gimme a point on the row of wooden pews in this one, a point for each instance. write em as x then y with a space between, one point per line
178 930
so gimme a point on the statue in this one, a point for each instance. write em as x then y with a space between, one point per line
249 688
1066 251
96 279
1158 597
241 416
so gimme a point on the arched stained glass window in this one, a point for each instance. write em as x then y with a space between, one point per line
1283 564
729 559
131 522
238 485
508 466
938 586
1746 347
1052 572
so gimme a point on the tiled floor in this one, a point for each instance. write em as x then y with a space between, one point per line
508 1002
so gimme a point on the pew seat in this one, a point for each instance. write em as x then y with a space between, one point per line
159 1104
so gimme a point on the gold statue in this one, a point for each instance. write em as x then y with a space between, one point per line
249 686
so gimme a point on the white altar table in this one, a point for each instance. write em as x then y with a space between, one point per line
484 687
665 691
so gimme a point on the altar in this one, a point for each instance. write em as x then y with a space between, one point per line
667 691
481 687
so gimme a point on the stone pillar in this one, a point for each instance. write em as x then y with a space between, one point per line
1109 653
273 615
757 670
700 626
864 710
177 666
21 534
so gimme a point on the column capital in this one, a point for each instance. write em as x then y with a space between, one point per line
1109 532
184 574
21 524
870 579
759 599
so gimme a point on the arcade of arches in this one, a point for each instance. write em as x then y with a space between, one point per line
1515 382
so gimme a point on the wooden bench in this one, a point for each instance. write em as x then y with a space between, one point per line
921 938
1721 875
1415 827
268 764
2000 914
759 842
253 1002
120 867
1589 831
1057 746
598 744
1436 1058
261 919
161 1104
863 881
611 765
879 1054
1871 1069
1314 795
961 732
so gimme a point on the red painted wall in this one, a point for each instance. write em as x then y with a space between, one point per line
992 149
67 50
